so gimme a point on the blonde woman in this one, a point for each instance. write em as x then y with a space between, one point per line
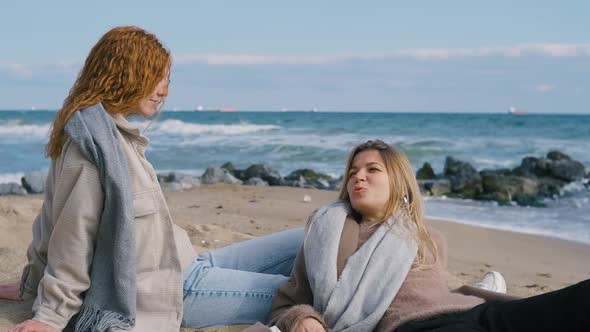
369 263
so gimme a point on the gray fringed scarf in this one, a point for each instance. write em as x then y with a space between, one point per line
110 300
371 277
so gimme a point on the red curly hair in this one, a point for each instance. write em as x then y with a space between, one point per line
122 68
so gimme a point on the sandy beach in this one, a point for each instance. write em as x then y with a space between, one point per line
217 215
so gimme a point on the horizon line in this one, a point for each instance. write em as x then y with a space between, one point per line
262 110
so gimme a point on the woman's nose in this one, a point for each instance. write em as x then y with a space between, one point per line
360 176
163 91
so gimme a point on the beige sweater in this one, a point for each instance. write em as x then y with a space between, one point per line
60 255
423 294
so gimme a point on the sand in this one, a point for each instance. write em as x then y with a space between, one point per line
217 215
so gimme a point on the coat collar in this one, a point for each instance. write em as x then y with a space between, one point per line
129 130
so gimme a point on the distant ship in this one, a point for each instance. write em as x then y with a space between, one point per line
205 109
299 110
516 111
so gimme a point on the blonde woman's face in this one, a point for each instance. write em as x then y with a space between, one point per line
148 106
368 184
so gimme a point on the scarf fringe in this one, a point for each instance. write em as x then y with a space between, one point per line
97 320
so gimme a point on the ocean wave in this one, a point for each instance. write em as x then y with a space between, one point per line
184 128
487 163
11 177
574 187
548 221
267 139
24 130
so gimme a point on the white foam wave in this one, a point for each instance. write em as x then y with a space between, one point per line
268 139
481 163
17 129
11 177
574 187
183 128
566 218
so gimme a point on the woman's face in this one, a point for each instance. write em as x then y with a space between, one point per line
368 184
148 106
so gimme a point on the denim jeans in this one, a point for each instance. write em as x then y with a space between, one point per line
235 284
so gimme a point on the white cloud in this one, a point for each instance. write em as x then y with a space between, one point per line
519 50
547 50
544 88
247 59
69 65
17 70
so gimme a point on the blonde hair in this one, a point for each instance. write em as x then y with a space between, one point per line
124 66
404 195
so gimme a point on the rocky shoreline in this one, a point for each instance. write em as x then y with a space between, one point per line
528 184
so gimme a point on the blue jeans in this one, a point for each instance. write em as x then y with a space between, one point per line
235 284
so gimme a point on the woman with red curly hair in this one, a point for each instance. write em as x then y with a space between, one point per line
105 253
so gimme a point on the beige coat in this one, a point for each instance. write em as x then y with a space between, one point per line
64 233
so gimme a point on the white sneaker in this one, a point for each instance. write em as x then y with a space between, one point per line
492 281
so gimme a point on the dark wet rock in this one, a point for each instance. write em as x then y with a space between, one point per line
218 175
299 182
12 188
237 173
505 189
229 167
265 172
320 184
550 187
435 187
514 184
258 182
532 167
557 155
308 178
496 172
440 187
557 165
175 181
306 173
426 172
465 180
34 182
567 170
524 200
336 184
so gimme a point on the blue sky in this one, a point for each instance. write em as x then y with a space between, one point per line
460 56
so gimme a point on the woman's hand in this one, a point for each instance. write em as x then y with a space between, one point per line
309 325
32 326
10 292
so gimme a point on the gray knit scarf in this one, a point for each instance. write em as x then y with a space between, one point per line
110 300
371 277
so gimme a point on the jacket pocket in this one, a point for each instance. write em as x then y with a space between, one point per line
147 236
144 204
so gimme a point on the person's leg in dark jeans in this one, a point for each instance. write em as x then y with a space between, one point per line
567 309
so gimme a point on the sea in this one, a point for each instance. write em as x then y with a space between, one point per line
191 141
